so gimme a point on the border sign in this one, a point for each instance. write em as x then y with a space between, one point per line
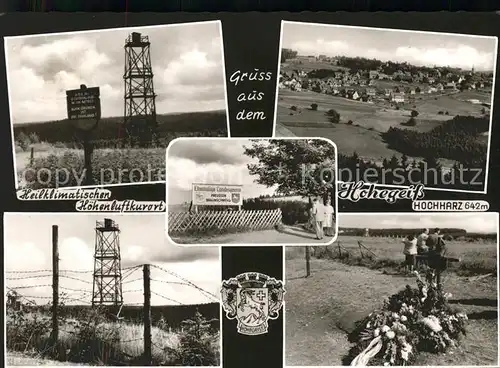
84 103
217 195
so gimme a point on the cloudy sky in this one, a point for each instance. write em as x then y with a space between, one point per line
418 48
213 161
186 61
28 247
471 222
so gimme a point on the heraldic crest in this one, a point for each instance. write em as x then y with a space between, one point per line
252 298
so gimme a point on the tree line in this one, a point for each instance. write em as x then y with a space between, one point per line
402 171
209 123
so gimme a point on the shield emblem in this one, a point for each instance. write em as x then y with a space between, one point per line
235 197
252 310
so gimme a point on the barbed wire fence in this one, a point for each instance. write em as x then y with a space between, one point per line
19 296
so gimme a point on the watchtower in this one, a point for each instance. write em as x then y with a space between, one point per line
107 288
140 99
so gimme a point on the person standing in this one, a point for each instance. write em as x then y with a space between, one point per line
410 252
319 217
421 241
437 251
421 245
328 224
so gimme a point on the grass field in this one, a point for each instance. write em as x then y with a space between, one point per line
109 166
368 120
55 147
322 308
476 257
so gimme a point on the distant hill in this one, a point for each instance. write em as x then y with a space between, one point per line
354 231
207 123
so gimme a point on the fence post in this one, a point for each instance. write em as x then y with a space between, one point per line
88 149
55 285
340 249
147 315
32 156
308 261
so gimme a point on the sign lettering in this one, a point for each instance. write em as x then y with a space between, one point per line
217 195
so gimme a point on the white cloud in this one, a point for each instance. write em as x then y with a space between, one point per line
142 240
188 71
460 55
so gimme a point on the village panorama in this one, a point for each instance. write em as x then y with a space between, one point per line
431 123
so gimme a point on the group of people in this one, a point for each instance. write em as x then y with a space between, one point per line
430 244
321 217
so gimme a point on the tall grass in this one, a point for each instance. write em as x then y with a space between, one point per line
67 169
93 339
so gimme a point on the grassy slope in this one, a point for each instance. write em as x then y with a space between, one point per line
320 308
371 119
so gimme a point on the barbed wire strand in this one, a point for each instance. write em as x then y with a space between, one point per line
166 298
187 281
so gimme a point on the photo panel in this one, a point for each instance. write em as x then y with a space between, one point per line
251 191
106 289
108 102
404 107
397 289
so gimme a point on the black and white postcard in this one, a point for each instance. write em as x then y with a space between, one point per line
108 102
105 289
251 191
398 289
405 107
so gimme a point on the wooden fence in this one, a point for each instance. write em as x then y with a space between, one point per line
180 222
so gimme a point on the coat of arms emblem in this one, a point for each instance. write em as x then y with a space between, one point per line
235 197
252 298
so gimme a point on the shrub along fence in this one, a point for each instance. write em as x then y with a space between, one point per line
182 222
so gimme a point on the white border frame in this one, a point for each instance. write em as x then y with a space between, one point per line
488 150
336 212
104 214
496 215
6 38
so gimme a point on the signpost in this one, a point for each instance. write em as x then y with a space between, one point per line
217 195
84 110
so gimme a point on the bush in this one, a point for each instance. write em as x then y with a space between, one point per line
314 106
333 115
411 122
440 112
447 113
293 108
23 141
414 113
349 122
196 344
293 212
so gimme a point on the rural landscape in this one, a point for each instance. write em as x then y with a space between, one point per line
409 110
121 137
325 322
111 311
249 191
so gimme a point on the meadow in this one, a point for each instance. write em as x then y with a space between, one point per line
322 309
51 151
362 124
91 338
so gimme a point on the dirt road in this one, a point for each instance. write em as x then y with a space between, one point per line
289 236
320 308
